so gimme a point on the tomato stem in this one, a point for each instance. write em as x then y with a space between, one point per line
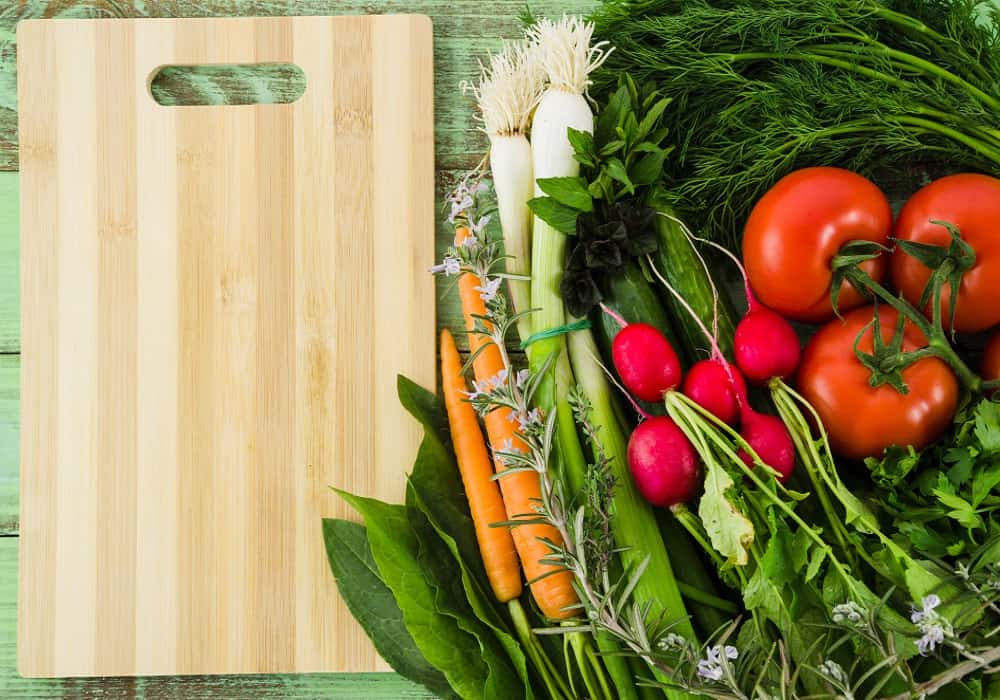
937 339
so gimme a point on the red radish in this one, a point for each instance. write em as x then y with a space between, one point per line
663 462
769 438
714 384
765 345
718 387
645 360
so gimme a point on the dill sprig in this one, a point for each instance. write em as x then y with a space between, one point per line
762 88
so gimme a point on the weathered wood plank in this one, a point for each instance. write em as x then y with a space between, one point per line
10 367
370 686
464 31
10 326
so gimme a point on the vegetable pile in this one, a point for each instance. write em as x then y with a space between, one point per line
661 496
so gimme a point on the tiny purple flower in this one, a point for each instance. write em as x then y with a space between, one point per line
712 667
488 291
449 266
477 227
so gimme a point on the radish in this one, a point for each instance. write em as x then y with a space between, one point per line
769 438
645 360
718 387
765 345
663 462
714 384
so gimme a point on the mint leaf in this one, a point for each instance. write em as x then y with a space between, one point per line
372 605
582 143
647 169
608 117
571 191
616 169
651 117
559 216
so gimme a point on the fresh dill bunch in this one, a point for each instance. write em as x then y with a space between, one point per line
762 88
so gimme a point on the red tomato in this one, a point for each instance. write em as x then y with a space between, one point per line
972 203
797 228
860 420
991 358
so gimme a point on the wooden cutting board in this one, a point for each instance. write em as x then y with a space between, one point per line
216 301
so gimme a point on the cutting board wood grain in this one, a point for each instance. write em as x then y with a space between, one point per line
216 301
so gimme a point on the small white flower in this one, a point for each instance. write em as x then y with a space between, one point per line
671 641
933 635
507 448
712 667
848 613
477 227
470 242
488 291
834 671
449 266
459 207
933 628
929 603
525 419
522 376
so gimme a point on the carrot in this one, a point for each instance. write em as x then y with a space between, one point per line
553 592
495 543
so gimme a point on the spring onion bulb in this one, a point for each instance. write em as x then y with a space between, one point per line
567 58
508 91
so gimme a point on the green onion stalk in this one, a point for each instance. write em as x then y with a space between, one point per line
568 58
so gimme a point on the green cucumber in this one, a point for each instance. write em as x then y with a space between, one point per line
677 260
629 294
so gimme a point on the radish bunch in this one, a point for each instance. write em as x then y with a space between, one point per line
663 462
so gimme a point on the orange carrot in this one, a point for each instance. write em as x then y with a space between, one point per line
521 491
485 503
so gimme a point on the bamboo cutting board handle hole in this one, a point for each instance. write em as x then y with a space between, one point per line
226 84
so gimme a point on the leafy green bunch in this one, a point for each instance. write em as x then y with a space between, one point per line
944 499
604 209
762 87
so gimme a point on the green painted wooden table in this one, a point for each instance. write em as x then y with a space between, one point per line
464 30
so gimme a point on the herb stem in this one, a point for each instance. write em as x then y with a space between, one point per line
966 140
902 57
699 596
553 682
916 26
811 460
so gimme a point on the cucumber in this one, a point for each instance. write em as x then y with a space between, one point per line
677 260
632 296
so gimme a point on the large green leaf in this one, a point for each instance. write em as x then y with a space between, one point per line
396 548
372 605
730 531
452 599
435 490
